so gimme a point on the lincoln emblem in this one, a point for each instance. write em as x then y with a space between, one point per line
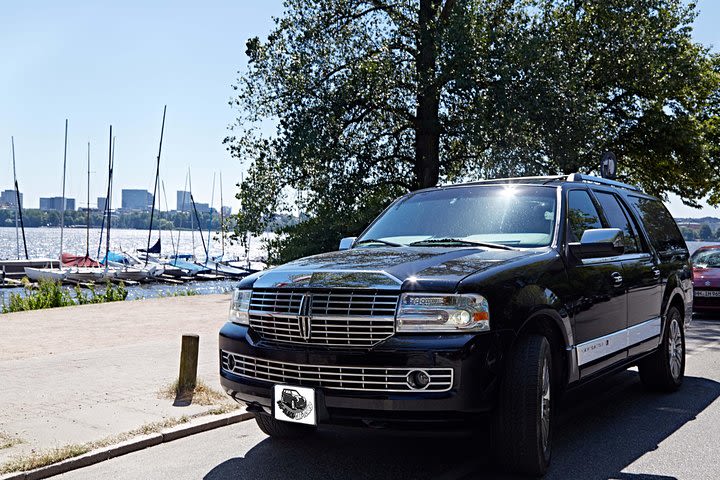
304 316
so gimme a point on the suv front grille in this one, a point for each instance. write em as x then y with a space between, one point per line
352 318
369 379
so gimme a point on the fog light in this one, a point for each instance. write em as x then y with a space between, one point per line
418 379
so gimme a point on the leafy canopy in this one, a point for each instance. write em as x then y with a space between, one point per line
370 99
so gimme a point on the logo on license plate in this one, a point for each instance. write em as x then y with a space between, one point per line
293 404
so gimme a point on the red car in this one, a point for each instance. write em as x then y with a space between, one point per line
706 279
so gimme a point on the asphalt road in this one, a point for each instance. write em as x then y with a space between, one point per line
611 429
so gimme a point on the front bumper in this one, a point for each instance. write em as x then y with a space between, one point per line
473 359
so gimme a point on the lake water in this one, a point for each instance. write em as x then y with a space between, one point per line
45 243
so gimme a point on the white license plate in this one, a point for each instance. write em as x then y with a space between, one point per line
294 404
707 293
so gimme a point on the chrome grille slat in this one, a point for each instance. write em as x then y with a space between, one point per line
370 379
355 319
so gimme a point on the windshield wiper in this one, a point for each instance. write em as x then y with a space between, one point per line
459 241
377 240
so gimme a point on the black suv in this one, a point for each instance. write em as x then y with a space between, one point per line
466 300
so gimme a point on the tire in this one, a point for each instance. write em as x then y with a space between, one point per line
664 370
278 429
523 422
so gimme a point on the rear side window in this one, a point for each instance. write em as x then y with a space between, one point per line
582 214
617 218
660 225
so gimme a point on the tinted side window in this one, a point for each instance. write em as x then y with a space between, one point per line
661 227
582 214
616 217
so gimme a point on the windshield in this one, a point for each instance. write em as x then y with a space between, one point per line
506 216
706 258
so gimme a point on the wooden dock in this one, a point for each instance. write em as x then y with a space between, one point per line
15 269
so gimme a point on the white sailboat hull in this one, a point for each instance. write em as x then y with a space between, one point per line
51 274
86 274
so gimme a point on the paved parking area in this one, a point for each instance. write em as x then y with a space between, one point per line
611 429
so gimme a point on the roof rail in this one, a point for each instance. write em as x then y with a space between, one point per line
573 177
536 179
576 177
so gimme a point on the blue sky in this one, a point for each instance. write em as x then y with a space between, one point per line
99 63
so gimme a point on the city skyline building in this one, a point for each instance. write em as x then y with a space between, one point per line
136 199
8 199
182 201
55 203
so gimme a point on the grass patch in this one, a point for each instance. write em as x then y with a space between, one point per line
186 292
38 459
7 441
50 294
41 459
201 395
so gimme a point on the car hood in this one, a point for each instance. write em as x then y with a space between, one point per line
706 277
388 268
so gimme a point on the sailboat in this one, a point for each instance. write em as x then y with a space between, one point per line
52 274
69 260
216 264
85 269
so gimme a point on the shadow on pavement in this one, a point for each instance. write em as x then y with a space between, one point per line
610 424
602 428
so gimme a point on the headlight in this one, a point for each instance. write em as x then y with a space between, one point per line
425 312
240 306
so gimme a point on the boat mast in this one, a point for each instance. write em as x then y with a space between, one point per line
155 188
87 239
184 201
192 201
192 221
212 199
167 209
108 201
222 221
62 211
18 211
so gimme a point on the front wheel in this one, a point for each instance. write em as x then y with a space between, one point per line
664 370
523 423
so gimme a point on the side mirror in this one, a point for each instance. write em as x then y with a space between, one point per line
599 242
347 243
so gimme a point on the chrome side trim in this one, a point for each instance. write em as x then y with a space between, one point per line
617 258
617 341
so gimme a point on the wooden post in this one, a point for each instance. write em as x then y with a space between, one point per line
188 362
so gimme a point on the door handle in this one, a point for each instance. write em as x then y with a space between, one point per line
617 278
656 272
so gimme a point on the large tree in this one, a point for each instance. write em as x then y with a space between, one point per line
349 103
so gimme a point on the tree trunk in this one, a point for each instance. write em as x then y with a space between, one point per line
427 124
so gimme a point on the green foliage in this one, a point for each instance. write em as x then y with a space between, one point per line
187 292
688 234
372 99
51 294
137 220
705 233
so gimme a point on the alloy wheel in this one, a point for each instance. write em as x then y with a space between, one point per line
675 349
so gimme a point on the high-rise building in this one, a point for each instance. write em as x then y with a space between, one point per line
8 198
183 201
202 207
55 203
133 199
101 203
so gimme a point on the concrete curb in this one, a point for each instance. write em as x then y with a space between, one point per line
198 425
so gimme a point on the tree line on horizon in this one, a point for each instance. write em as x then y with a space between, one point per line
134 220
371 99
